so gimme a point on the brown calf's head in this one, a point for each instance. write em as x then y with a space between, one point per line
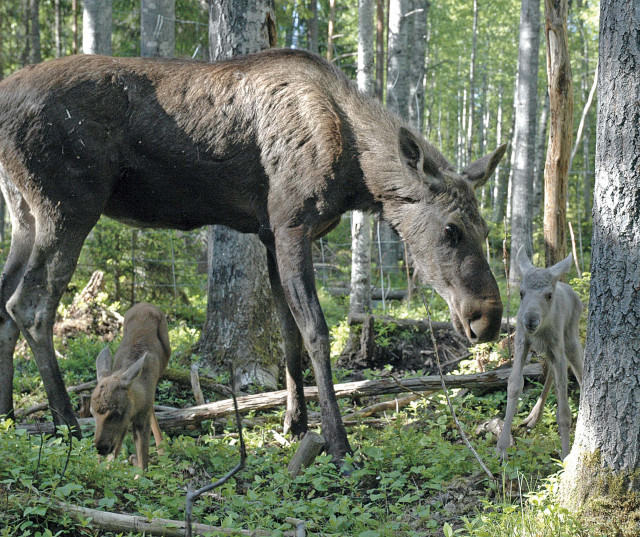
435 210
112 402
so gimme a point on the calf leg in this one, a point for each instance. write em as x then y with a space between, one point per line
295 268
573 350
295 419
141 436
536 412
563 413
22 238
515 385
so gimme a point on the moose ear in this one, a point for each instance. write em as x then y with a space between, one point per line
560 269
415 158
479 171
522 260
103 363
133 371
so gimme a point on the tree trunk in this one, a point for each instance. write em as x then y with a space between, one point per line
96 27
34 32
560 131
57 15
332 20
525 132
397 102
417 50
541 146
241 324
380 26
74 26
312 27
602 469
157 28
360 296
472 75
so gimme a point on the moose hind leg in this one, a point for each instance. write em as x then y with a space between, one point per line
295 420
22 238
33 305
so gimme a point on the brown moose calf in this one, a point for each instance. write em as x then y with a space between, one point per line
126 387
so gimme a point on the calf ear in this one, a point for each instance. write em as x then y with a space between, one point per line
479 171
522 260
104 362
560 269
415 158
133 371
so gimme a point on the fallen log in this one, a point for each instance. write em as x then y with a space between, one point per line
119 522
419 324
181 419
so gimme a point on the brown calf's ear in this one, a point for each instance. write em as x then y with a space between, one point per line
479 171
133 371
415 158
104 362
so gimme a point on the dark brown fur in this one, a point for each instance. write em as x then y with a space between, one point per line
278 143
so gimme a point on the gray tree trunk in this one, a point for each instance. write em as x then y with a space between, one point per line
157 28
397 102
360 295
541 153
603 466
241 324
417 51
525 132
472 77
312 27
35 55
96 27
57 27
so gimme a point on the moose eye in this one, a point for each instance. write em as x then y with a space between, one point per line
521 294
453 233
549 296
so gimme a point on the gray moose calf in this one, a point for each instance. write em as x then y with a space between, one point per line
547 323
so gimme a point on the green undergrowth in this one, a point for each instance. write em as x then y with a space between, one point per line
411 475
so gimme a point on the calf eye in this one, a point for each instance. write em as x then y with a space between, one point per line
549 296
453 233
521 294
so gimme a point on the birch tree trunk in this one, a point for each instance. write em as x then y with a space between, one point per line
472 76
332 20
157 28
417 49
560 130
602 469
96 27
397 102
312 27
35 55
360 295
541 146
380 26
524 137
241 324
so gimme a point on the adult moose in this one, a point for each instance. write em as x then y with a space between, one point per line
278 143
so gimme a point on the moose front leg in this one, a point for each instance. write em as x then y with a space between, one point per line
295 420
514 389
295 268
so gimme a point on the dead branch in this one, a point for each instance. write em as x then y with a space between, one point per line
182 419
195 385
120 522
310 447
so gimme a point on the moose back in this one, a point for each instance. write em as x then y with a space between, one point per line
278 143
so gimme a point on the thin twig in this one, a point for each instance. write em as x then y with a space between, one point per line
446 394
192 496
506 273
66 462
573 249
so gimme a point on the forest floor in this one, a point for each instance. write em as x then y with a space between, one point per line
411 473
